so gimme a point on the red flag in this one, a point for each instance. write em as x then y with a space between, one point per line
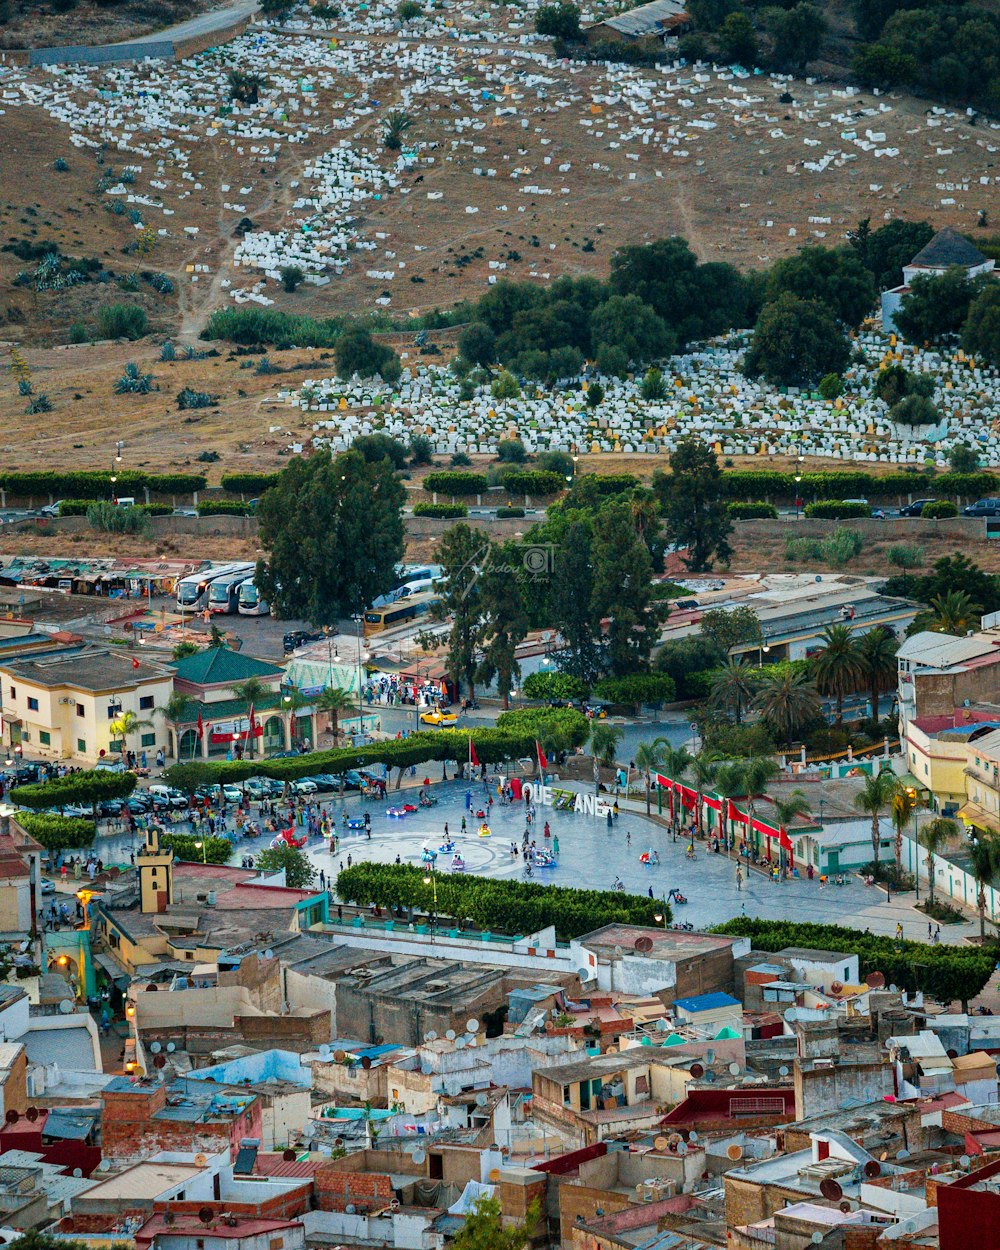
201 725
135 663
543 763
473 757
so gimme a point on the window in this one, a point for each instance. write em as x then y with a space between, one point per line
81 746
146 702
79 709
112 711
13 692
117 746
32 704
148 740
44 738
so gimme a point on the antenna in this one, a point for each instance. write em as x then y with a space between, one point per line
830 1189
644 944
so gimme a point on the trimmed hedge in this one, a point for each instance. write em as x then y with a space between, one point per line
636 688
938 509
751 485
509 907
611 483
443 511
248 483
946 972
836 510
444 482
554 686
84 787
223 507
509 514
531 482
752 511
97 485
513 738
58 833
213 851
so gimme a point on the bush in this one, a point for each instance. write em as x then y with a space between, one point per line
110 519
836 510
831 386
357 352
248 483
223 507
443 511
375 447
509 514
445 482
188 399
946 972
212 851
408 10
58 833
752 511
511 451
636 688
251 326
558 21
531 482
132 382
508 907
122 321
938 509
84 787
291 276
421 450
552 686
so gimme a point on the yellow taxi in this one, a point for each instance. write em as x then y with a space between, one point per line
436 717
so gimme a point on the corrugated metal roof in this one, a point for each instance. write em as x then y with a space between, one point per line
648 19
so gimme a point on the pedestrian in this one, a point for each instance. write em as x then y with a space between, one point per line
937 935
899 931
322 879
930 930
739 878
650 891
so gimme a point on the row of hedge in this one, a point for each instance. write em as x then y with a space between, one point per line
224 507
79 507
184 846
97 484
443 511
752 511
58 833
513 738
514 482
754 485
836 510
946 972
252 484
93 786
508 907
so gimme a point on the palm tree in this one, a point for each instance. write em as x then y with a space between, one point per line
704 771
984 855
179 709
732 689
935 834
837 667
787 701
649 756
787 808
877 650
903 803
125 724
292 701
397 123
676 762
251 693
953 613
333 701
876 794
730 783
758 773
604 739
245 87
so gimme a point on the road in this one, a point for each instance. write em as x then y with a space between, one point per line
204 24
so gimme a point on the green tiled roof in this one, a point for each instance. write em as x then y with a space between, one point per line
218 666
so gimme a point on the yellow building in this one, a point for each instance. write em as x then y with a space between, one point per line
936 760
64 704
982 782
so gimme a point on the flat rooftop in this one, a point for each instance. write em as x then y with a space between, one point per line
668 944
145 1180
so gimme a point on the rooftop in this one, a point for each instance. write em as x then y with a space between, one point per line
668 944
650 18
145 1180
90 668
219 666
708 1002
948 247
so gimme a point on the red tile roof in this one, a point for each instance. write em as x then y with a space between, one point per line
277 1165
261 897
191 1225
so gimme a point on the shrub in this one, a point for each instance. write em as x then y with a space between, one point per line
91 786
213 850
558 21
497 906
550 686
78 332
264 367
132 382
938 509
421 450
831 385
636 688
752 511
168 352
223 507
443 511
58 833
511 451
291 277
60 163
110 519
357 352
122 321
531 482
408 10
509 514
446 483
460 460
39 404
250 326
187 398
836 510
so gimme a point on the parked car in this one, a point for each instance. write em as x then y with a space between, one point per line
296 638
437 717
258 787
983 507
51 509
304 785
915 508
48 885
324 781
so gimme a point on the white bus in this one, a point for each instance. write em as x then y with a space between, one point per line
224 592
251 603
192 591
410 579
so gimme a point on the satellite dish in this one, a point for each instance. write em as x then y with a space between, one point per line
419 1156
155 1047
734 1069
78 1172
66 1007
837 987
872 1169
450 1035
584 974
170 1048
783 1070
661 1025
338 1141
816 1238
200 1160
481 1100
366 1062
206 1215
902 1154
340 1055
269 954
459 1043
682 1148
659 1143
619 952
12 1116
350 1208
845 1206
693 1135
472 1025
159 1061
432 1035
152 989
830 1189
952 1052
494 1176
697 1071
324 1050
965 1161
288 1156
734 1152
644 944
875 980
32 1114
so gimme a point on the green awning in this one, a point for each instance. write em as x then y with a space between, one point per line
908 779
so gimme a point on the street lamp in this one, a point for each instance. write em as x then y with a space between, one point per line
798 497
201 846
660 918
358 619
431 879
762 650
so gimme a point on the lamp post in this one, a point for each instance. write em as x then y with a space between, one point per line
358 619
763 649
798 497
660 918
430 879
201 846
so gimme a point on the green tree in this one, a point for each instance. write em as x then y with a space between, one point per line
478 344
358 353
936 306
245 87
981 331
951 613
332 701
738 41
558 21
797 35
984 860
914 410
692 498
789 806
877 651
875 796
397 123
726 629
876 65
604 739
298 868
796 342
462 552
292 277
837 667
595 395
183 649
963 459
623 589
834 276
704 770
935 835
375 447
124 725
885 251
649 759
552 686
787 701
571 604
332 530
179 709
505 620
189 776
505 387
627 322
484 1228
710 14
653 387
732 690
903 803
905 556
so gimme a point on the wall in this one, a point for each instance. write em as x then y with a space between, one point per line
305 990
950 879
967 1216
107 55
820 1089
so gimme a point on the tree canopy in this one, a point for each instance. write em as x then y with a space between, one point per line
796 342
